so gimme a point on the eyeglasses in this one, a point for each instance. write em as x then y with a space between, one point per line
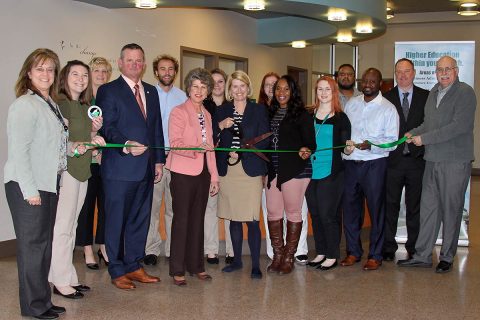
445 70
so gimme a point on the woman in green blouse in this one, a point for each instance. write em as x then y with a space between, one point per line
75 95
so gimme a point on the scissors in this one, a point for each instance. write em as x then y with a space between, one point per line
248 144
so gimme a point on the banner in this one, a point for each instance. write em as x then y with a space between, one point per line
424 55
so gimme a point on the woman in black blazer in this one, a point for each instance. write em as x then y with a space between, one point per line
241 174
289 173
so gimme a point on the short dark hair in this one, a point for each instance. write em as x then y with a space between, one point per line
373 70
406 60
346 65
131 46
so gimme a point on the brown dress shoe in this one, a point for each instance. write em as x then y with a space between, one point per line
372 264
123 282
141 276
349 261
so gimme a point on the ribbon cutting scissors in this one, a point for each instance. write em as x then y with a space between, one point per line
248 144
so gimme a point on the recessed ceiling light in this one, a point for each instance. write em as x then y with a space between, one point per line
344 37
254 5
299 44
335 14
363 28
468 9
390 13
146 4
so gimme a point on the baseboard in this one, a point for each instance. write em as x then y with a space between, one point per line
8 248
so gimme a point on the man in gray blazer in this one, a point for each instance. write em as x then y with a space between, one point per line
447 133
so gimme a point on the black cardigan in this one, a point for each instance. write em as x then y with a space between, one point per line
293 136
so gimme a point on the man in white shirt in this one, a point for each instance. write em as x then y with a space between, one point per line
374 119
165 69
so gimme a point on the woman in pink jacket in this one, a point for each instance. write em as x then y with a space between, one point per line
194 177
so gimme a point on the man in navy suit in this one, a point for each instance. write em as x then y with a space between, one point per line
405 164
131 115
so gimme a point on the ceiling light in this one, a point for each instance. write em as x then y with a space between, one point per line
146 4
344 37
390 13
364 28
299 44
254 5
468 4
468 9
337 14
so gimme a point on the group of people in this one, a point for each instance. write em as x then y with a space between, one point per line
332 155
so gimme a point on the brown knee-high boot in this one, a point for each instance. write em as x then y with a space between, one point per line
275 228
293 235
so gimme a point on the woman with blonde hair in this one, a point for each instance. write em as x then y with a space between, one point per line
325 190
241 174
101 71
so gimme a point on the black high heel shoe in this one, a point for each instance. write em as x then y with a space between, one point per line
92 266
101 257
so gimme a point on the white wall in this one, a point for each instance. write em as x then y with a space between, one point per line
77 30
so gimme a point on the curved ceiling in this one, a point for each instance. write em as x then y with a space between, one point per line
284 21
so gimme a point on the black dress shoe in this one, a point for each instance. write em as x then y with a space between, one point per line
389 256
101 257
443 267
150 260
323 268
228 260
213 260
91 266
81 288
413 263
57 309
75 295
49 314
315 264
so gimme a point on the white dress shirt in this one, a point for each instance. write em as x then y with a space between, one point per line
376 121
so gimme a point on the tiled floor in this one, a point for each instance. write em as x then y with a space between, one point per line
343 293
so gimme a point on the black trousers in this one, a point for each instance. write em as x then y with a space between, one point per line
34 231
324 197
94 197
408 174
189 201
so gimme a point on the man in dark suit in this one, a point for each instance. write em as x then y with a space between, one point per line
131 115
405 164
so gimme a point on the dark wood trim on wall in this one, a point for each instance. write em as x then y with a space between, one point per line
8 248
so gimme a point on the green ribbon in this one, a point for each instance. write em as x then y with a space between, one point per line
119 145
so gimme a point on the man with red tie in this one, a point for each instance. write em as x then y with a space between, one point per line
131 115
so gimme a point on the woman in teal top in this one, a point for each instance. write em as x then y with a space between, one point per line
324 192
75 90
